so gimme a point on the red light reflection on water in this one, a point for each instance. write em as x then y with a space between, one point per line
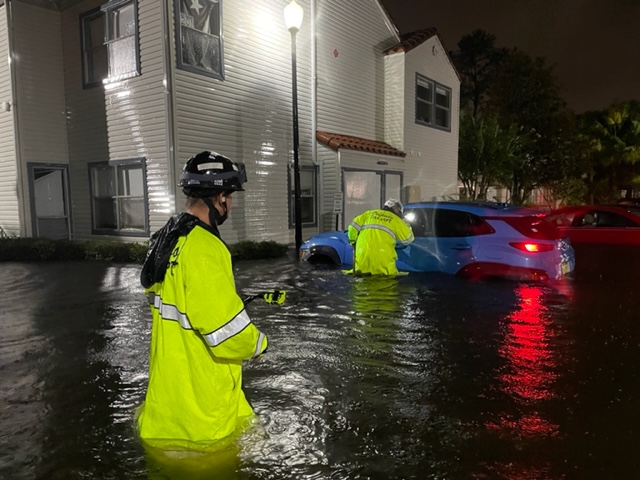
530 367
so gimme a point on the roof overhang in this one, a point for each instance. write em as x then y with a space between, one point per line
57 5
337 141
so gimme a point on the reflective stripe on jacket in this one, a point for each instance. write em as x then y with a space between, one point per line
376 233
200 335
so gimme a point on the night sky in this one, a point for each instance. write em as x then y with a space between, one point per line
593 44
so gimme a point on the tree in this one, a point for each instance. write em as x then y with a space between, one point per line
487 153
515 129
614 150
525 94
476 60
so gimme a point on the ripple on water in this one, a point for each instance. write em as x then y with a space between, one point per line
425 377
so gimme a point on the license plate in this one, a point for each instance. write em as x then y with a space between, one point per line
565 268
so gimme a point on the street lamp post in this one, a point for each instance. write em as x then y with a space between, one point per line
293 20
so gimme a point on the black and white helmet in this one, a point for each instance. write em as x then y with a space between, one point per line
393 203
208 172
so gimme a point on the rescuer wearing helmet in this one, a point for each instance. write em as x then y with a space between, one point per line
201 332
375 234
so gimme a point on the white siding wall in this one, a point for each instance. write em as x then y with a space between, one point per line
120 120
330 175
137 115
394 94
432 154
248 115
40 99
351 38
9 217
87 130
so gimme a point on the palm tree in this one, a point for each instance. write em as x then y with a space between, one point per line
614 150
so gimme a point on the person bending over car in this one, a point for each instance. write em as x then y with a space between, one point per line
201 332
375 235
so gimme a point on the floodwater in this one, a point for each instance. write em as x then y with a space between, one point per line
421 377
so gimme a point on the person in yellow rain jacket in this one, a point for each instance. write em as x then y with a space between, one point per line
200 331
375 234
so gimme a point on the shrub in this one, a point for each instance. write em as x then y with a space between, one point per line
24 249
250 250
43 249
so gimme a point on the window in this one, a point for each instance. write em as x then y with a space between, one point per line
427 222
94 51
122 38
601 218
199 36
110 46
307 197
433 103
119 198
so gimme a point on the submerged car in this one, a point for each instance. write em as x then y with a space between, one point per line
471 239
599 224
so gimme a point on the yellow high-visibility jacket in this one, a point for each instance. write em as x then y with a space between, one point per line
200 335
376 233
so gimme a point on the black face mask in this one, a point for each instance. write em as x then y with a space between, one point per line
214 215
220 219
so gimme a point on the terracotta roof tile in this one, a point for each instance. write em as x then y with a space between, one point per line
336 141
412 40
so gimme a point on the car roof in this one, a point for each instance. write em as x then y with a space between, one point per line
481 208
629 208
607 208
630 211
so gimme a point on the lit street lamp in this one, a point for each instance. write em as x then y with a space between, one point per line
293 20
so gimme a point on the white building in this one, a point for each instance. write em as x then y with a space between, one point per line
102 102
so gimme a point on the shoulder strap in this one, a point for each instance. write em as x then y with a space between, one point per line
161 245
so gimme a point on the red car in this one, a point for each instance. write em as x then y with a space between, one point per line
599 224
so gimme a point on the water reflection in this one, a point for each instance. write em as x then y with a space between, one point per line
423 376
376 310
527 377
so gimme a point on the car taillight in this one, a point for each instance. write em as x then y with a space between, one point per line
532 247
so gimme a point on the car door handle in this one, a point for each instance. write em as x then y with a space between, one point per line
461 247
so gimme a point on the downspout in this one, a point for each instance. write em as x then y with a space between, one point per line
342 189
22 207
169 101
314 86
314 114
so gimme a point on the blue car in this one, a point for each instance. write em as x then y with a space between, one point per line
470 239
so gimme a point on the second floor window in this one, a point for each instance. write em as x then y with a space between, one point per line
199 37
110 48
122 38
433 103
94 50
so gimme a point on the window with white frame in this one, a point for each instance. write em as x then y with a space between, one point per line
122 38
433 103
307 196
110 46
199 36
119 198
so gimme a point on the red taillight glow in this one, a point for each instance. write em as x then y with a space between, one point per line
531 247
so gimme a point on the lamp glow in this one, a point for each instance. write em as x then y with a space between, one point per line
293 14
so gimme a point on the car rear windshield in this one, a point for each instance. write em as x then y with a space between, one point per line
533 227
